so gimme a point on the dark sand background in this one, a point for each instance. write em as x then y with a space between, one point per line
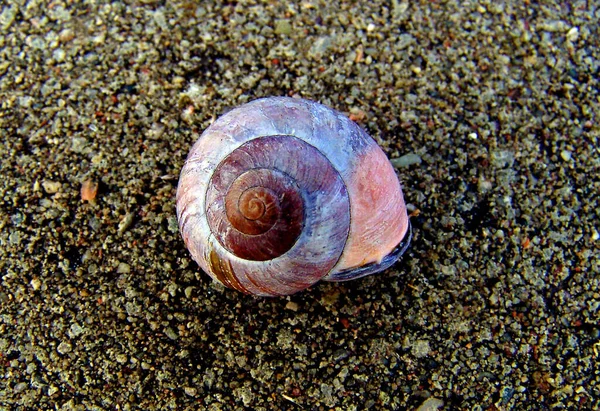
492 109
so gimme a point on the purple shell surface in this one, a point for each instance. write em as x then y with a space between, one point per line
280 193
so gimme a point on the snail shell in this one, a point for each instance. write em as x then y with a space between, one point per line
280 193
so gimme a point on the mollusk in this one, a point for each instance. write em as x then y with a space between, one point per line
280 193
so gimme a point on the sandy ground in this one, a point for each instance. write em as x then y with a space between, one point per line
491 112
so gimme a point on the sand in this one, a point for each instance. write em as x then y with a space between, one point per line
490 112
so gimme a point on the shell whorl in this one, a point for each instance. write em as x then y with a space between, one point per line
265 203
261 207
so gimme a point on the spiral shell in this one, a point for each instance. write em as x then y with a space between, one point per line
280 193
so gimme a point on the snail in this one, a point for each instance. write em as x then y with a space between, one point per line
281 192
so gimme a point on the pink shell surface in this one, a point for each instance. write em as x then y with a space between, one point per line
377 214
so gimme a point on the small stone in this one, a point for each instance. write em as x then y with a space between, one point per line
327 394
188 292
573 34
141 110
79 145
502 158
121 358
51 187
431 404
8 16
319 47
89 189
14 238
161 20
565 155
191 391
66 35
59 55
172 289
340 354
553 26
17 218
406 160
64 348
245 394
283 27
35 284
75 330
404 41
192 96
399 7
20 387
123 268
291 306
172 224
125 223
133 309
171 334
420 348
483 185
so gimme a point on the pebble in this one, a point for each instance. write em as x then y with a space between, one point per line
35 284
51 187
169 332
431 404
406 160
64 348
292 306
123 268
283 27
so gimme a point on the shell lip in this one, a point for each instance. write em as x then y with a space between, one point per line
372 268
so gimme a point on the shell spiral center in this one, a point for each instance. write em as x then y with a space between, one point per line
256 210
263 213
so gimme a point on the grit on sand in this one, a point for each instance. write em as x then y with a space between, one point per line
489 111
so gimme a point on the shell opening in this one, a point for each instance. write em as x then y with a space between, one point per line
372 268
